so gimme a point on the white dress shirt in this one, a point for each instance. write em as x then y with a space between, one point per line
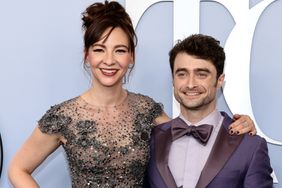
188 156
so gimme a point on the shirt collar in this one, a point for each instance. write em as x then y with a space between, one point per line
214 118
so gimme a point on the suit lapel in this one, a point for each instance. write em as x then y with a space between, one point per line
163 144
223 148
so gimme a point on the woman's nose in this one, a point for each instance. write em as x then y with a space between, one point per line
109 59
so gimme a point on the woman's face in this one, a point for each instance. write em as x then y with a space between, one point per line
109 58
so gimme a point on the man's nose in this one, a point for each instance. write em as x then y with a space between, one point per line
191 81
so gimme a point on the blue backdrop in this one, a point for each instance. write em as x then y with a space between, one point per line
41 54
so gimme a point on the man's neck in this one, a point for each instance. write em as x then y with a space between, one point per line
195 116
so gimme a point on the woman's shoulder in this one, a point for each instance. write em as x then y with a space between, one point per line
60 110
63 106
138 97
145 102
57 116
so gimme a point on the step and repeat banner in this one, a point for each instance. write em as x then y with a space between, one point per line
41 58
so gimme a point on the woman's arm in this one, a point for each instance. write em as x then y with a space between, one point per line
242 124
163 118
33 152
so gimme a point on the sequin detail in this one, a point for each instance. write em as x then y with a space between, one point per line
105 147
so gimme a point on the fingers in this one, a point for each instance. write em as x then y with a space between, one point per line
252 126
241 128
253 132
239 120
243 124
243 131
236 116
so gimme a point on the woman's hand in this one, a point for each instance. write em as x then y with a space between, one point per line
242 124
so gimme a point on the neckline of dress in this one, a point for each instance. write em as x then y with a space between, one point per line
100 106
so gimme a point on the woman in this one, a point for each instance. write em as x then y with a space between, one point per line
105 130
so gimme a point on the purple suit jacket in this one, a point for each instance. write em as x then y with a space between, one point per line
234 161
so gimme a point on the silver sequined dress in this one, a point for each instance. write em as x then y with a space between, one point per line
105 147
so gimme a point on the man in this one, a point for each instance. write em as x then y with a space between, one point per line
195 149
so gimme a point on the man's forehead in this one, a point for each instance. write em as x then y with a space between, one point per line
193 64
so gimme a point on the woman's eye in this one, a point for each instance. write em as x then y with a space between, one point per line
98 50
121 51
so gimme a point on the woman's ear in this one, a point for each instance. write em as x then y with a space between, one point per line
132 58
85 55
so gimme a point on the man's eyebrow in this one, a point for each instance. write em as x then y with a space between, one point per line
202 70
180 70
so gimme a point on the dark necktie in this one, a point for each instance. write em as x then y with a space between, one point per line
201 132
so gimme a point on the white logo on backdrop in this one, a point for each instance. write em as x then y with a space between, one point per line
238 46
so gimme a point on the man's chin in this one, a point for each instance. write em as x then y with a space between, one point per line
193 106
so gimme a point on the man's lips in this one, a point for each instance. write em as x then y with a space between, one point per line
192 93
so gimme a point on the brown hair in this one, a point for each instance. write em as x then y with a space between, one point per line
201 46
100 16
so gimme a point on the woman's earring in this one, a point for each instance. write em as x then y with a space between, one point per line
87 64
130 66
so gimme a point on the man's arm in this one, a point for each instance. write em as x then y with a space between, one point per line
259 172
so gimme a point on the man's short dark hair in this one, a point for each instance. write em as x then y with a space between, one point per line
201 46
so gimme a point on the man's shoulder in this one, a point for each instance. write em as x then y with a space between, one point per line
256 139
252 144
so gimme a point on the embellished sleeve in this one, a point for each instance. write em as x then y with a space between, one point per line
147 111
154 109
53 121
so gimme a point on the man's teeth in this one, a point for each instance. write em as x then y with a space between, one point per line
191 93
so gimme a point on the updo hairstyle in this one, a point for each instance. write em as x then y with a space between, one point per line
98 17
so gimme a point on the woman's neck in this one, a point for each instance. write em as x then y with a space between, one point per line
106 97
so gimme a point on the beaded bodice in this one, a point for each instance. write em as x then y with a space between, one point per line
105 146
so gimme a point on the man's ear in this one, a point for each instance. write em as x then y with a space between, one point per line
172 76
220 80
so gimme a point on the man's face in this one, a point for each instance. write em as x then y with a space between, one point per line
195 83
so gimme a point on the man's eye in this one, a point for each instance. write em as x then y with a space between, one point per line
181 74
202 75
